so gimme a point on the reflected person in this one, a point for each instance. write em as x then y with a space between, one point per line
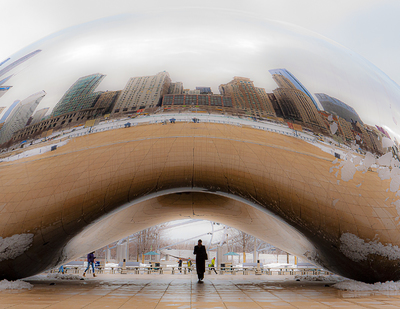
201 257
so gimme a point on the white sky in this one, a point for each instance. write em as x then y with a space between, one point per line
368 27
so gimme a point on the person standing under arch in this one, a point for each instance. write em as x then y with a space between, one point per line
201 257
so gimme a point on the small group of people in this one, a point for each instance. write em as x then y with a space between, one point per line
189 264
199 251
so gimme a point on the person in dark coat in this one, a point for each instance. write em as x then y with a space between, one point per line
180 265
201 257
90 260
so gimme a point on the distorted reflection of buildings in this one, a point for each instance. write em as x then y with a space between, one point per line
175 88
297 106
247 97
290 81
44 128
9 110
204 90
198 100
80 95
19 116
290 103
337 107
37 116
143 92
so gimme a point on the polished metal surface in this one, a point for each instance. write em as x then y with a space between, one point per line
129 121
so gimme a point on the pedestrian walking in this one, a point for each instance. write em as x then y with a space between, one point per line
90 261
212 265
201 257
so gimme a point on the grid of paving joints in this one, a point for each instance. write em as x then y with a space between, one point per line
183 291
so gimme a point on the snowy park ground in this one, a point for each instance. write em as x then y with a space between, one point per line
183 291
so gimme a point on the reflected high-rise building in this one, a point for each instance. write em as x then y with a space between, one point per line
9 110
106 101
18 62
204 90
247 97
38 116
295 105
290 81
143 92
20 115
337 107
80 95
175 88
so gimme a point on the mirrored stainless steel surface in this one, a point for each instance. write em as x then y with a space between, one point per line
269 127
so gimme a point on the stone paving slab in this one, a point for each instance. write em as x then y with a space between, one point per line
183 291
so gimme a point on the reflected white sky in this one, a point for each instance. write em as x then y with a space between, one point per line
203 48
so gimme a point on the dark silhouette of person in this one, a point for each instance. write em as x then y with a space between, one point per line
201 257
180 265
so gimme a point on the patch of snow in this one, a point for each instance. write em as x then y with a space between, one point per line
369 159
395 183
357 249
387 142
351 285
58 276
384 173
335 201
348 170
331 278
14 285
13 246
385 159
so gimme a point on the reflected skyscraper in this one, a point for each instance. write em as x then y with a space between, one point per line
175 88
337 107
295 105
38 116
20 115
9 110
143 92
247 97
294 82
80 95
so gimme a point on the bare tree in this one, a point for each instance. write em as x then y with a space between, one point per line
241 242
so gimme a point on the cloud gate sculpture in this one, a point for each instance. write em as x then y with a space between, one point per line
122 123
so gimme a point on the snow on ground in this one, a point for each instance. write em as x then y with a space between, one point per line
350 285
58 276
330 278
14 285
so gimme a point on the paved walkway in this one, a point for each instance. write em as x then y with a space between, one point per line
183 291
